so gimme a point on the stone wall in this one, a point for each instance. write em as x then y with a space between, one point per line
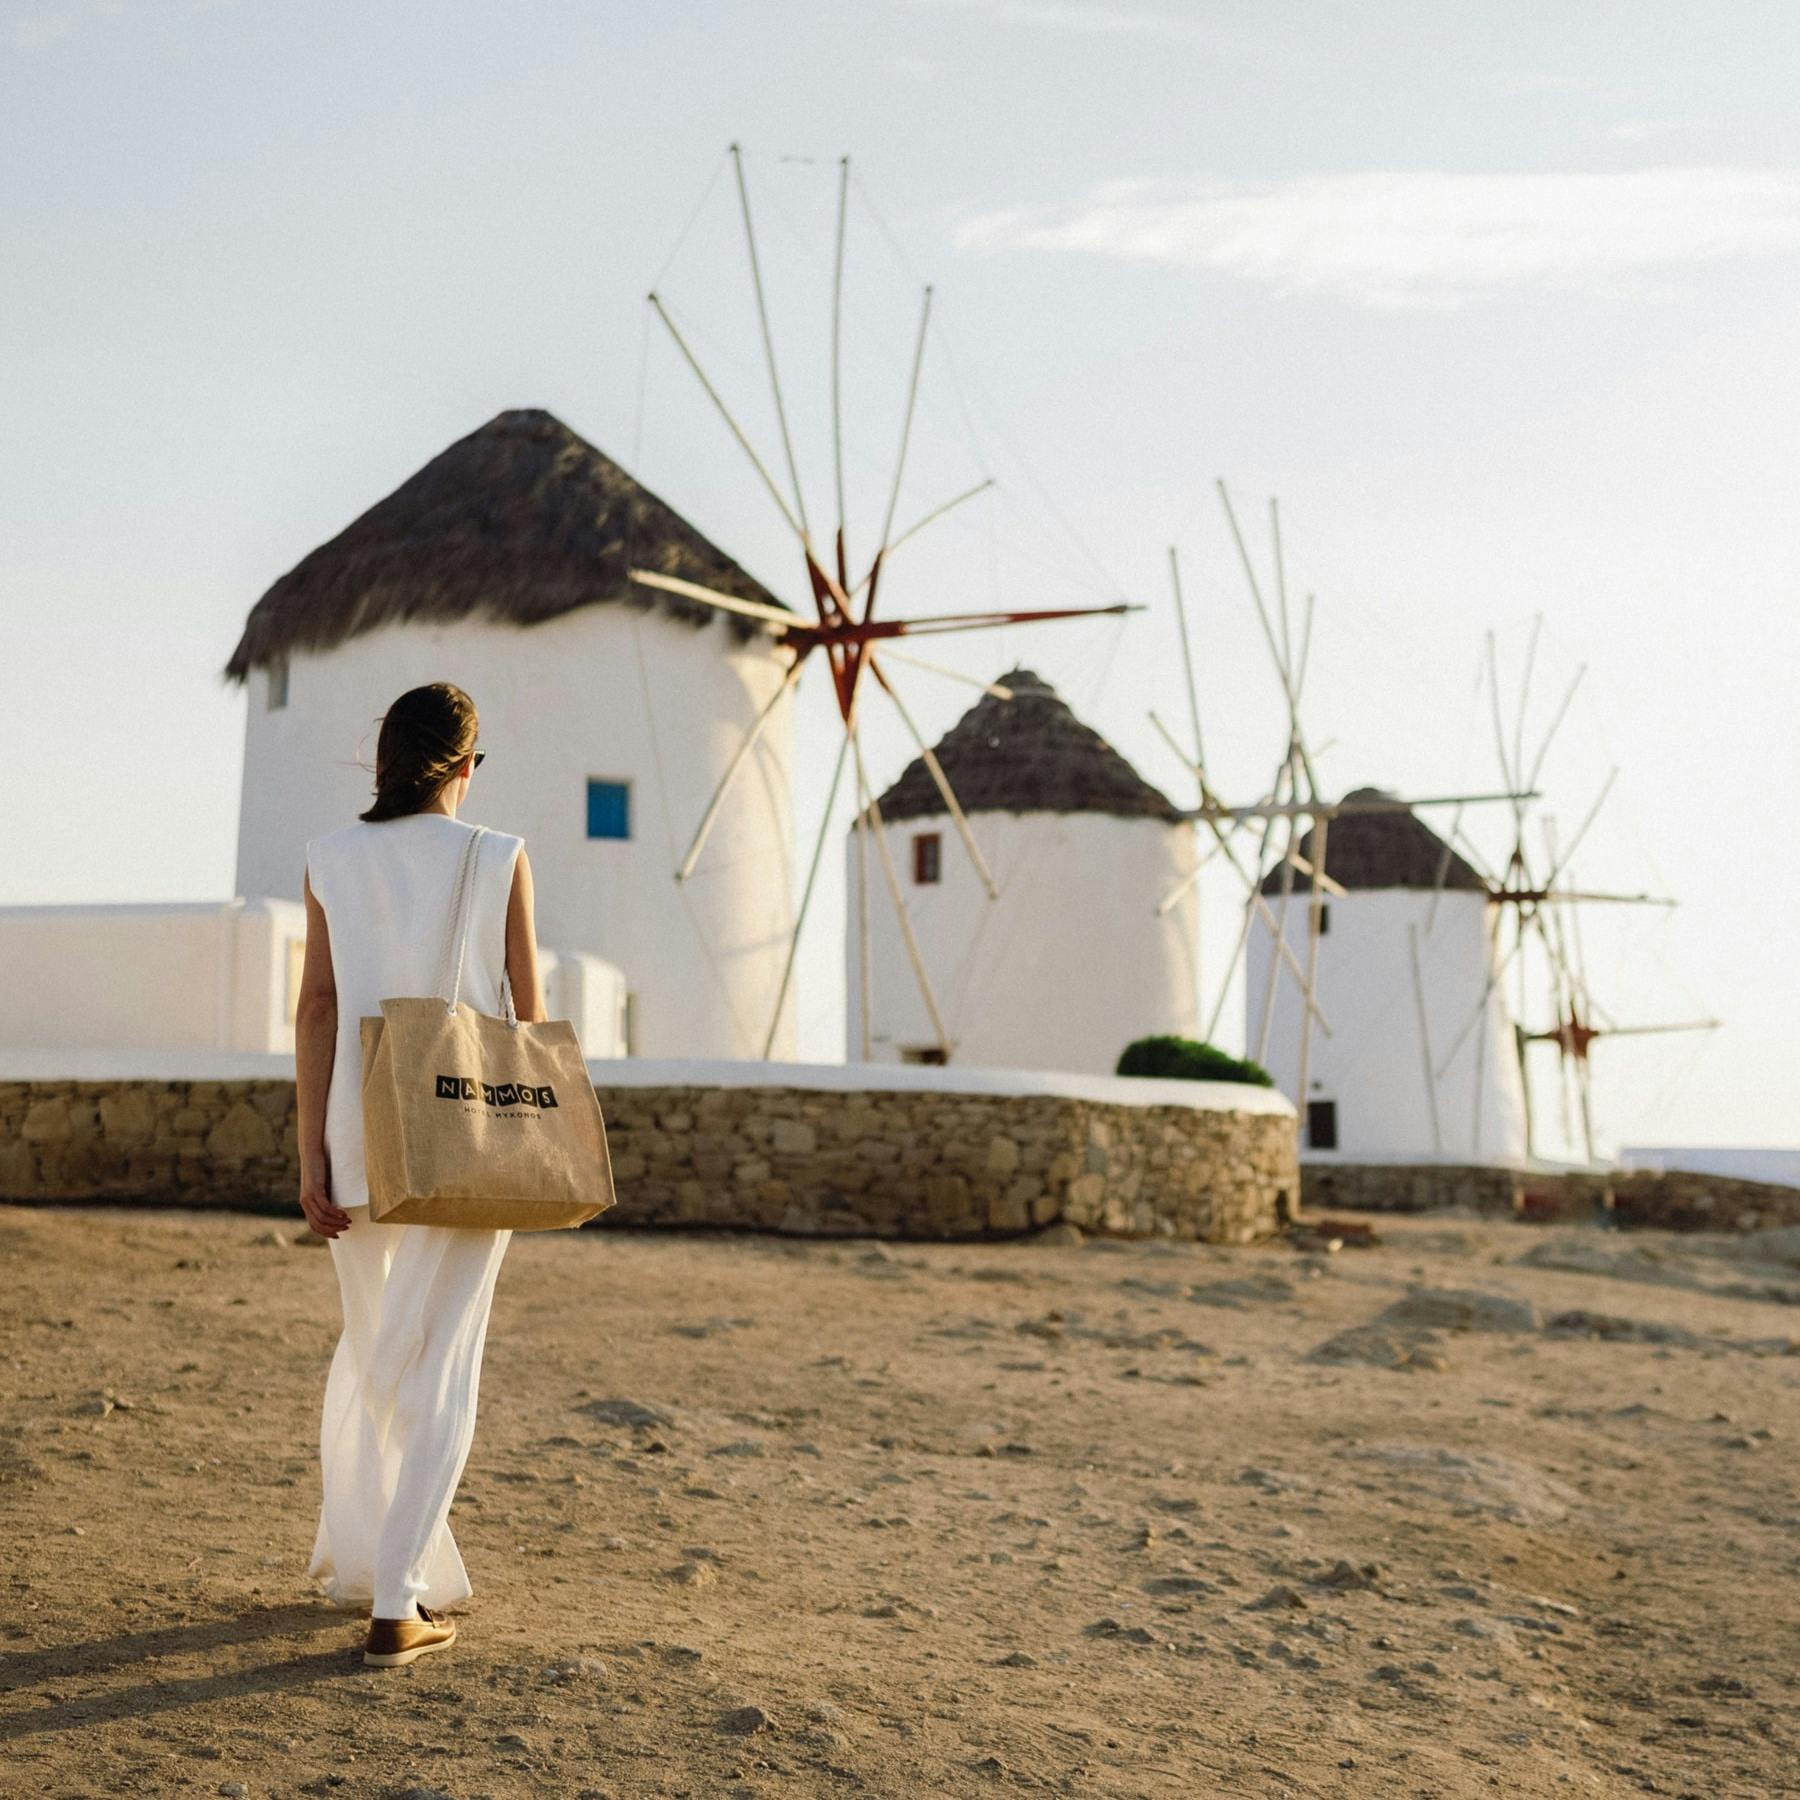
908 1163
1405 1187
180 1143
1678 1200
921 1164
1672 1200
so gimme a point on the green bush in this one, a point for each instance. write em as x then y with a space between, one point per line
1186 1059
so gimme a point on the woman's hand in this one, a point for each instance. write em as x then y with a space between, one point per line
322 1213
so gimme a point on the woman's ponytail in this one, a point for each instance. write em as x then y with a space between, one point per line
426 737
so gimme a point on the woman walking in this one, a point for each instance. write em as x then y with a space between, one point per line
400 1399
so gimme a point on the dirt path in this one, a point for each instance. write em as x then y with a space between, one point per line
911 1520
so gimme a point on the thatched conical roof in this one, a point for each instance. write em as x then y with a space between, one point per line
1381 850
1026 754
520 521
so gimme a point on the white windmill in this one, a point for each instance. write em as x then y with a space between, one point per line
1329 1026
1538 905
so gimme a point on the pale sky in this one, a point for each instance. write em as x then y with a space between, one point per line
1499 299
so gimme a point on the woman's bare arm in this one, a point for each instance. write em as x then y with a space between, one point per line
521 946
315 1050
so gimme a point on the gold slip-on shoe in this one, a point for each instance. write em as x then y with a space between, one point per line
396 1641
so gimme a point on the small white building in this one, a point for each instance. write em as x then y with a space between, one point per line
210 975
1368 1095
1072 961
608 714
205 975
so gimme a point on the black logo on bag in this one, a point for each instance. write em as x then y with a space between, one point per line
506 1093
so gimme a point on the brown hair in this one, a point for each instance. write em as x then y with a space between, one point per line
426 737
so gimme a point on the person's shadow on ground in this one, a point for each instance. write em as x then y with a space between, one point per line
23 1671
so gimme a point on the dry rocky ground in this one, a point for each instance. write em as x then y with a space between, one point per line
1481 1509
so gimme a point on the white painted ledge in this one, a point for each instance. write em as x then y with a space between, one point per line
838 1078
1427 1159
915 1078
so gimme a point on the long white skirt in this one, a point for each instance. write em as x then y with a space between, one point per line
400 1411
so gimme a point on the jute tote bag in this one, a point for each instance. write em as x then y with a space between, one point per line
477 1121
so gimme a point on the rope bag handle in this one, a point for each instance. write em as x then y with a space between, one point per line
458 937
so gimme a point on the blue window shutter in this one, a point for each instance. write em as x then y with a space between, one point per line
608 809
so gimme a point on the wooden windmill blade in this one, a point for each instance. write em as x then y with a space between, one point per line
1278 925
1549 737
1668 1026
1279 652
1450 836
737 761
725 413
837 385
1518 744
1495 976
901 912
1187 669
1474 857
1281 593
1306 636
891 655
1571 933
1191 879
1280 655
1565 999
768 341
1479 1105
1251 903
1581 831
1252 899
778 620
1573 987
918 525
1517 874
1514 887
806 894
1257 906
1315 807
1256 595
1186 884
1208 810
906 425
1565 1002
1315 930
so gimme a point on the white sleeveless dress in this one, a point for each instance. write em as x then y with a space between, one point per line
399 1413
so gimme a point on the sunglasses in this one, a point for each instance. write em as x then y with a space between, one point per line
479 756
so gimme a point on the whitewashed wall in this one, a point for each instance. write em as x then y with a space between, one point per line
590 994
561 702
1373 1065
213 975
1061 972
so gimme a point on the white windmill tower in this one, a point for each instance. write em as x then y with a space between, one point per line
502 565
1052 967
1400 952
